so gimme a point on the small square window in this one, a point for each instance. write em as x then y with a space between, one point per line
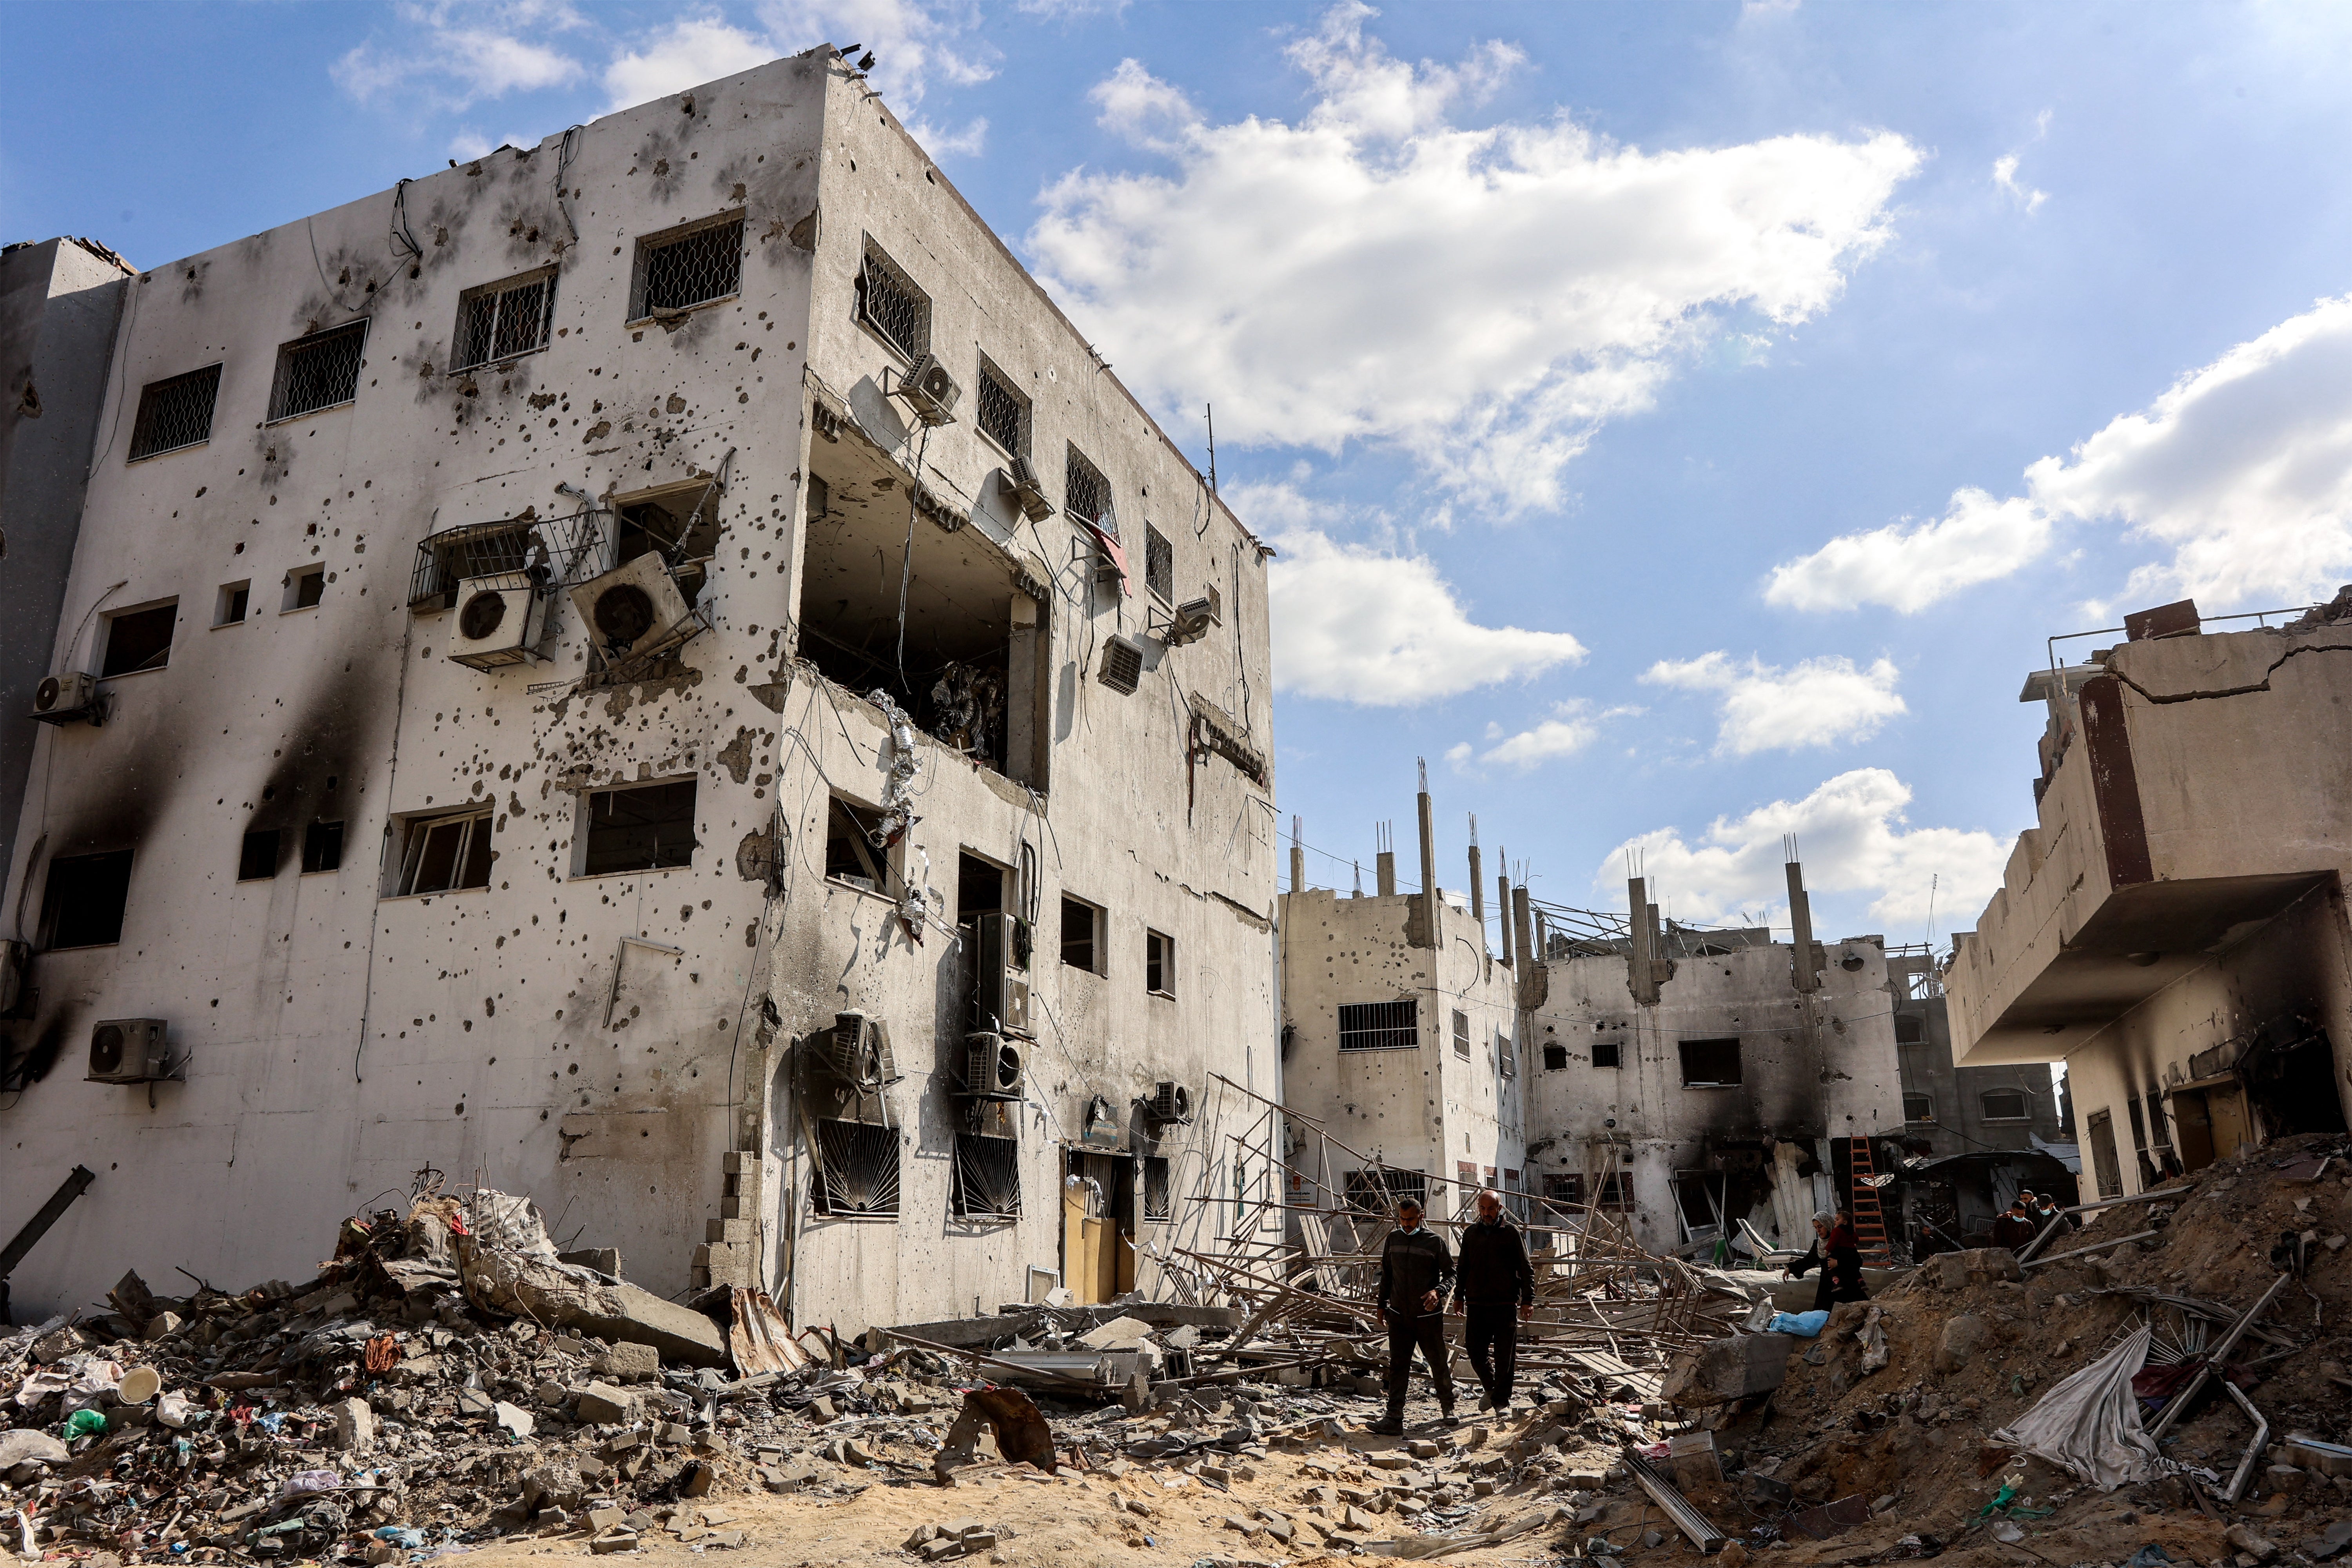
1158 963
1002 412
1607 1054
138 639
1555 1058
82 904
853 847
1158 565
230 605
257 860
647 828
1079 925
505 319
176 413
322 846
1918 1107
443 854
1710 1064
681 269
889 302
305 586
321 371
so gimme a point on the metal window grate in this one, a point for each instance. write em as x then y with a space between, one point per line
1085 494
542 553
501 320
1375 1192
987 1178
1158 1199
321 371
1380 1026
888 301
693 269
1004 413
1159 563
176 413
856 1170
1462 1035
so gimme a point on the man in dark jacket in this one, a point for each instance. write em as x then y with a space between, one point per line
1415 1269
1492 1280
2014 1229
1837 1253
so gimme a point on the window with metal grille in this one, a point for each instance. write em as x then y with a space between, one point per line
1608 1054
1374 1192
1003 412
1999 1105
686 268
1085 494
256 859
987 1183
642 829
888 301
1462 1033
443 854
1380 1026
1709 1064
1569 1191
1506 1055
82 903
1157 1199
176 413
1159 563
321 371
138 639
1918 1107
502 321
856 1170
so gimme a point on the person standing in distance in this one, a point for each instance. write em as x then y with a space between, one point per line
1493 1277
1416 1266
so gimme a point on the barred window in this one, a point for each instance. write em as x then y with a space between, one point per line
1159 563
987 1178
1374 1192
888 301
1004 413
1085 494
501 320
683 268
1380 1025
856 1170
321 371
176 413
1157 1203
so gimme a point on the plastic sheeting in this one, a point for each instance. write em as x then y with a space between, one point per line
2089 1423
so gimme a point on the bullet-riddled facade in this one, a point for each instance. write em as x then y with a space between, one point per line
491 583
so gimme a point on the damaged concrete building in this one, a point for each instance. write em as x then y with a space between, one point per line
656 670
2173 927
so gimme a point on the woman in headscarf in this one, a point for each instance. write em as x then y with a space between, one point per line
1837 1253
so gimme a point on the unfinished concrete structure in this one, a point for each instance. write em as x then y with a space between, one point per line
2173 927
1400 1040
1950 1109
655 670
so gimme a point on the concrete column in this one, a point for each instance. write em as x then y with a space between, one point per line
1477 883
1800 920
1384 871
1429 897
1640 968
1502 903
1297 859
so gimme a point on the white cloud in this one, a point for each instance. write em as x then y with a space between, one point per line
468 144
690 51
2242 469
1764 708
1569 730
2004 174
1530 280
458 55
1851 836
966 142
914 44
1373 627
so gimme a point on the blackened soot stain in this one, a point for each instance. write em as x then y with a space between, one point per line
322 752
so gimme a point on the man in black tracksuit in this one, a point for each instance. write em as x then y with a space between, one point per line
1415 1269
1493 1279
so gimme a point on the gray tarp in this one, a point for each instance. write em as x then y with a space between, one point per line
2089 1423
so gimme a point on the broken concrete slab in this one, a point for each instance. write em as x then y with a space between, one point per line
1724 1370
525 1286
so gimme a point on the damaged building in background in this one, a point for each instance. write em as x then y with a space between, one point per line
2173 927
657 671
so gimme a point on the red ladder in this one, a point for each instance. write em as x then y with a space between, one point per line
1869 1219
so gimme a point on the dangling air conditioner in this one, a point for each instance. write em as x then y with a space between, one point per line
634 608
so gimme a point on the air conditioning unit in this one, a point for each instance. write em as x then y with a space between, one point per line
634 608
128 1050
69 694
1002 958
993 1068
1191 621
857 1050
499 621
932 392
16 963
1122 665
1168 1102
1020 478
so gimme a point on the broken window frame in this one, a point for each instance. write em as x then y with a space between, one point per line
1381 1188
990 381
1683 1049
654 251
879 861
322 849
256 855
985 1185
1094 941
1380 1026
2024 1111
312 372
506 301
306 589
879 272
90 891
586 838
175 413
1506 1055
840 1142
473 852
1158 963
164 613
1926 1109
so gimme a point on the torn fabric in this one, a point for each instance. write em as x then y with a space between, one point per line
2089 1423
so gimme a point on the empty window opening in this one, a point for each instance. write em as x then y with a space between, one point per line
1158 963
1910 1029
979 889
229 606
1002 414
1079 923
305 586
321 371
176 413
987 1178
82 904
1380 1026
681 527
322 846
1555 1058
1158 565
1710 1064
1085 494
1612 1191
2007 1105
1608 1053
1918 1107
443 854
857 1172
256 860
1377 1191
138 639
889 302
647 829
503 321
1462 1033
1158 1199
685 267
1506 1055
852 847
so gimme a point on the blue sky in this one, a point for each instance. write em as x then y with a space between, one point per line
1682 424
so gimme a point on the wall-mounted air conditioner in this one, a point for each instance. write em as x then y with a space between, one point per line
634 608
1191 621
1002 958
1168 1102
500 620
1122 665
930 390
129 1050
994 1067
67 695
857 1050
1020 478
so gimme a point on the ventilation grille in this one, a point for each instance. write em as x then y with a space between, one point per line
176 413
1122 665
696 267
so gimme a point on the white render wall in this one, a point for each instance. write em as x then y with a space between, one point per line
339 1040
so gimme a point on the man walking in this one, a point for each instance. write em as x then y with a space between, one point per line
1415 1269
1493 1279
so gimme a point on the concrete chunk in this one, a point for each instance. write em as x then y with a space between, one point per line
1724 1370
546 1292
602 1404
